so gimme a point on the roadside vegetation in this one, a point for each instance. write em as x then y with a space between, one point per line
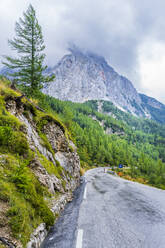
26 200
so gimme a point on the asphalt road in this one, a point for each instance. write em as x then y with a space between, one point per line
110 212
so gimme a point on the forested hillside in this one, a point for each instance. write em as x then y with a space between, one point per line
111 137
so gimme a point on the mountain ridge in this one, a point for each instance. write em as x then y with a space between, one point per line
83 76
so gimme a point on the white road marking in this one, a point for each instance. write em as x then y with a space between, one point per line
79 238
85 193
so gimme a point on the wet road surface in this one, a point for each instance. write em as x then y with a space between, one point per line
110 212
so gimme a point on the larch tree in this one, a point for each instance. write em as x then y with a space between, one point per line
28 68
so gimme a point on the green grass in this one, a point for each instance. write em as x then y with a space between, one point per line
27 200
20 189
6 91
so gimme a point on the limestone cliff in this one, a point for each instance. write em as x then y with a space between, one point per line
54 163
86 76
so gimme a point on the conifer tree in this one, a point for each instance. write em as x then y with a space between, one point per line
28 68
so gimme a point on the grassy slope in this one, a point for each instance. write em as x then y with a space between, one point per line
25 199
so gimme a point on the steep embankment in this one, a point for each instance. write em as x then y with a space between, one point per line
39 168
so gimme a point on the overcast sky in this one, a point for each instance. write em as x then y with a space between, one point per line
130 34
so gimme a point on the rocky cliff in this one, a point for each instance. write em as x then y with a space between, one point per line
85 76
48 160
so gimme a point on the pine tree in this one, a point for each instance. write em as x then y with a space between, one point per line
28 68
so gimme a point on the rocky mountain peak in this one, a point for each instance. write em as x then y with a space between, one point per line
82 76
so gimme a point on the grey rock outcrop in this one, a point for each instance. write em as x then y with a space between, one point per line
62 155
38 236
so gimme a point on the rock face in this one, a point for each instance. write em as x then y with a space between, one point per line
61 153
86 76
81 77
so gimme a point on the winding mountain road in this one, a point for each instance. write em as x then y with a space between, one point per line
110 212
